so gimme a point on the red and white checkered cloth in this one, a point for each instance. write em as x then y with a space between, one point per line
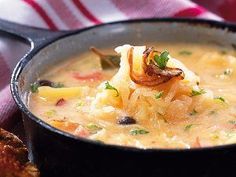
74 14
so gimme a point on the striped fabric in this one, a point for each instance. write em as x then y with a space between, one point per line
74 14
224 8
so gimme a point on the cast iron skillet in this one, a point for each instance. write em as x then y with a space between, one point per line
61 154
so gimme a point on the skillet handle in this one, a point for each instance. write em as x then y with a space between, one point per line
35 36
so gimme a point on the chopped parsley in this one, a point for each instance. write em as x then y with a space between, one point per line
93 128
215 137
197 92
232 122
220 98
50 113
159 95
110 87
34 87
185 52
188 127
162 59
80 103
194 112
138 132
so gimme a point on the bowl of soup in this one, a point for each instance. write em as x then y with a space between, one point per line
144 97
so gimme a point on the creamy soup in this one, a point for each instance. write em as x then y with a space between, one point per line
181 97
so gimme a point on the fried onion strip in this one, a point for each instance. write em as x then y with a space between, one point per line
152 75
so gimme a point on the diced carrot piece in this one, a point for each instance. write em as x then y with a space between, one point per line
64 125
82 132
89 77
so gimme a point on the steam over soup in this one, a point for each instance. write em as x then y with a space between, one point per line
181 98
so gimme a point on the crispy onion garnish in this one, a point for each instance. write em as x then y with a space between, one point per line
152 75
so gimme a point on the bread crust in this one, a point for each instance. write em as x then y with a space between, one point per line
14 160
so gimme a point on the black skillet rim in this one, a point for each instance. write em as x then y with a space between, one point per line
24 60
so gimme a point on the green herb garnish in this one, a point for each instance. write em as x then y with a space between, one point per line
185 52
220 98
215 137
110 87
138 132
232 122
50 113
162 59
93 128
194 112
197 92
80 103
34 87
159 95
187 127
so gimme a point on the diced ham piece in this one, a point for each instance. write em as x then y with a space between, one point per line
95 76
61 102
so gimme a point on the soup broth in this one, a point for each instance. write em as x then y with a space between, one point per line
88 101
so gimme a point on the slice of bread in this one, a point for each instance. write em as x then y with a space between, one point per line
14 160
